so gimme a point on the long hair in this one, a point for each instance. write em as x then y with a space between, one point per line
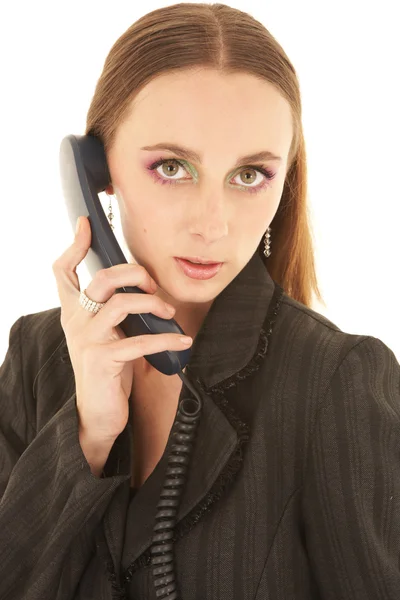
190 35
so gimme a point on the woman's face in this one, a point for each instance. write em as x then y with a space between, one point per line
212 205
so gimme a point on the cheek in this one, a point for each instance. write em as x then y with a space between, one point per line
145 222
272 201
253 224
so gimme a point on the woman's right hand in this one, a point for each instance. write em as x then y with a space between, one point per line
101 354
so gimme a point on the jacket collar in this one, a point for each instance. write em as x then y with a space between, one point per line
230 346
230 332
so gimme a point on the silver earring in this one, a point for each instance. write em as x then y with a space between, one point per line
267 243
110 215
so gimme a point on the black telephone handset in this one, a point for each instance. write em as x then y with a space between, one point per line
84 174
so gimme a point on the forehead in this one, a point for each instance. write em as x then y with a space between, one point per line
203 106
203 91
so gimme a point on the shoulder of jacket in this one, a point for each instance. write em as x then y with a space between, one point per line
318 333
307 314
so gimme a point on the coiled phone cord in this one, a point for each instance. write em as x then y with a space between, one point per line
184 431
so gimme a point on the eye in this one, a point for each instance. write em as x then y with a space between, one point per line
172 164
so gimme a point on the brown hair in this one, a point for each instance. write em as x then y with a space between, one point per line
190 35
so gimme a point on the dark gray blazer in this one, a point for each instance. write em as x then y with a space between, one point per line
294 485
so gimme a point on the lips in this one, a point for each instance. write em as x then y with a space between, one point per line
198 271
199 261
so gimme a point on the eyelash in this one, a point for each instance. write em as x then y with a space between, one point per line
269 175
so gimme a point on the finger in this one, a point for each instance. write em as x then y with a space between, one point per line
131 348
119 307
106 281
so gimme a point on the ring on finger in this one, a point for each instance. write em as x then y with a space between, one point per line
88 304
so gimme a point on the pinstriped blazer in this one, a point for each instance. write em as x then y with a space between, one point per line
294 483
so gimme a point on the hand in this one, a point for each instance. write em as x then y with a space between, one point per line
101 354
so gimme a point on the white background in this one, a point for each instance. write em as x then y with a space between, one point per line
346 55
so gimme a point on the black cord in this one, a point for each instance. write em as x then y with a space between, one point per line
184 431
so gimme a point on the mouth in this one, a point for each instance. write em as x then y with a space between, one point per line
200 271
197 260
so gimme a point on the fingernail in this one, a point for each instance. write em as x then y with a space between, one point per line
78 225
186 340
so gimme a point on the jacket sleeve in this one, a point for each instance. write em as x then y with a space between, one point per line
49 497
351 493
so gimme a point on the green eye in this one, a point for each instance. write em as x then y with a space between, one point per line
268 175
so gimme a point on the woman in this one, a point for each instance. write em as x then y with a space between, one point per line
293 488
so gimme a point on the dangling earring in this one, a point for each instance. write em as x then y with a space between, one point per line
110 215
267 243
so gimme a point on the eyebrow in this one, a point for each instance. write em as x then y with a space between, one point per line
192 156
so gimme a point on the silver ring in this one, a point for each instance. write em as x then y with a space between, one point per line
89 304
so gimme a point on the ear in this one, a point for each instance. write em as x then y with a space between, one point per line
109 189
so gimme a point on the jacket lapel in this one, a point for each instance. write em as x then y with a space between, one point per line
216 442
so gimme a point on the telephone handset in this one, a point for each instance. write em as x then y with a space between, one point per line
84 174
